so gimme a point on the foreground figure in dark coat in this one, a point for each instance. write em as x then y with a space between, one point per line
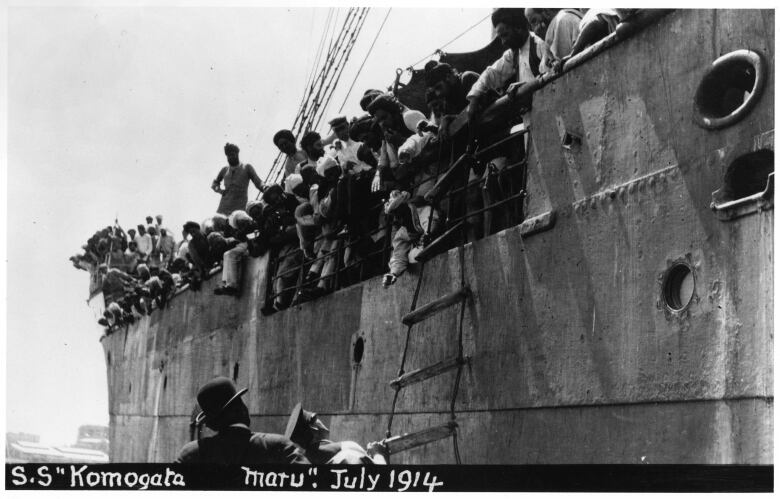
234 443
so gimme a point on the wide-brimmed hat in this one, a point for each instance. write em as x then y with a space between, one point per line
298 424
215 396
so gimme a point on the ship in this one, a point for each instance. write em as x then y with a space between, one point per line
626 315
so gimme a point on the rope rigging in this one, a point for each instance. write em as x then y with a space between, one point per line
322 83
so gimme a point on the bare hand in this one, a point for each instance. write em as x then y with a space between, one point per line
376 184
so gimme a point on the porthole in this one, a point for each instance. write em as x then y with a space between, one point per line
730 88
747 175
357 351
678 287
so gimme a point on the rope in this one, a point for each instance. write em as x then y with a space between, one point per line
449 42
406 350
365 59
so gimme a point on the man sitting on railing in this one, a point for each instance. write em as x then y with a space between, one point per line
198 253
280 231
408 228
242 225
323 201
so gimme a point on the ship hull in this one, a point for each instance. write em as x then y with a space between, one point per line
575 354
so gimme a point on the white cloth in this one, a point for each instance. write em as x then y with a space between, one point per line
348 153
609 16
144 243
231 261
496 75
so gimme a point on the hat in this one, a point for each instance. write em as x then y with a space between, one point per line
385 101
272 188
220 221
191 226
292 181
308 139
284 134
239 217
324 164
368 96
359 126
511 16
437 73
412 118
338 121
298 424
397 198
253 204
215 396
231 148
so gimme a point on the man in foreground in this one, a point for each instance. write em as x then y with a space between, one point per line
234 443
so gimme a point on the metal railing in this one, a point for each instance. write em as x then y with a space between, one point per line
458 204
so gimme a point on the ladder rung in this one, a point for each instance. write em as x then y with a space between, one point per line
408 441
439 244
424 373
436 305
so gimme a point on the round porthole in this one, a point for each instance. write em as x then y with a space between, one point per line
729 90
357 351
678 287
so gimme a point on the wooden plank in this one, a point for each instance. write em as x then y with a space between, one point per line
439 244
408 441
427 372
435 306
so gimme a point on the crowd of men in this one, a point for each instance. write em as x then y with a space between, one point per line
361 200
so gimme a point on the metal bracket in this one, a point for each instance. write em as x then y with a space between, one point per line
760 201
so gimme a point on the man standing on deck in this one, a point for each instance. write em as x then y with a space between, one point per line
236 177
234 443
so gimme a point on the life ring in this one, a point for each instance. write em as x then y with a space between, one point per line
716 103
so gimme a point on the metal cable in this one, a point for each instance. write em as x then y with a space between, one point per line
449 42
365 59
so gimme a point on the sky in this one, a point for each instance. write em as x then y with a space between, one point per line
123 112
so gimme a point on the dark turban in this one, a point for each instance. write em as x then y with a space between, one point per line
384 101
308 139
231 147
284 134
438 73
368 96
272 188
512 17
191 226
360 126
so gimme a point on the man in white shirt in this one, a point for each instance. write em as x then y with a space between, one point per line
144 243
559 28
518 65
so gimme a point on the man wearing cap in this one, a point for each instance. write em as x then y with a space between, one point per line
285 141
344 149
236 177
306 430
224 412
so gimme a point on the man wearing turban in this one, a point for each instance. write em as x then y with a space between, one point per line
236 177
